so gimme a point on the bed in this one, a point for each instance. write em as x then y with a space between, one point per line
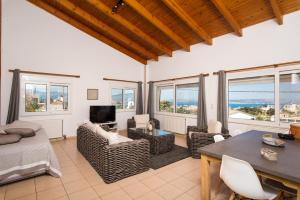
29 157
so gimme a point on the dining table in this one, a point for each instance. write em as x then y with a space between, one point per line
247 146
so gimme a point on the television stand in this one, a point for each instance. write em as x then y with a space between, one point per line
109 126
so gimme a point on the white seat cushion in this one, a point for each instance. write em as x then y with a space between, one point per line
113 138
141 121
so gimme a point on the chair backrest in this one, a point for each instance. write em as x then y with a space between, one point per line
215 127
218 138
241 178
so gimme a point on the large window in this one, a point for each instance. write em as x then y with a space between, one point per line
187 98
252 98
42 97
290 97
166 99
178 98
123 98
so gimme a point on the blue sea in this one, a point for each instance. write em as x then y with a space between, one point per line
238 105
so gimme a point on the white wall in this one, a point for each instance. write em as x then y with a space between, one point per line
34 40
264 43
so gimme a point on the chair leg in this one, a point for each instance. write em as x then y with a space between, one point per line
279 195
232 196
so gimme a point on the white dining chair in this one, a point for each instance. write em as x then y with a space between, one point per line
218 138
241 178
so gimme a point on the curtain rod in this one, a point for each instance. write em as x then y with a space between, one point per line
45 73
261 67
120 80
179 78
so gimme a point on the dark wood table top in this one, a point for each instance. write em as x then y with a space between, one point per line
247 147
154 132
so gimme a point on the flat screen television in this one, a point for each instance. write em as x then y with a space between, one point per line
102 114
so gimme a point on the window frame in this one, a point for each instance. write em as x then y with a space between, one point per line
124 87
276 72
173 84
43 80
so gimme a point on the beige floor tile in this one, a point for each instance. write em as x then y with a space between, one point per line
167 176
194 192
136 190
150 196
144 175
52 193
169 192
86 194
28 197
127 181
153 182
183 184
193 176
185 197
70 177
117 195
75 186
20 189
63 198
103 189
29 183
94 179
46 182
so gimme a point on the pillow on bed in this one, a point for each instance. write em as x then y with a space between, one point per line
9 139
23 132
25 124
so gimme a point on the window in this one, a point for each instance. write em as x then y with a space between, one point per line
42 97
166 99
290 97
123 98
59 97
252 98
35 97
187 98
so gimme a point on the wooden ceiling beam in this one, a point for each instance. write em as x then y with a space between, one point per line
157 23
106 28
276 11
130 26
188 20
50 9
228 16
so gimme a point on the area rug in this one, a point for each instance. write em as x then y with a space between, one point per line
161 160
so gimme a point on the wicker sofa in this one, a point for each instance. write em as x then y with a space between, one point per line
197 138
113 162
131 123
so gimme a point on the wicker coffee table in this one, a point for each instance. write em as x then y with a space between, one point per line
160 141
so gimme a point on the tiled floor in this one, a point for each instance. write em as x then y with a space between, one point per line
180 180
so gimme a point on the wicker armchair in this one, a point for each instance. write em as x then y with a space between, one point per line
113 162
131 123
200 138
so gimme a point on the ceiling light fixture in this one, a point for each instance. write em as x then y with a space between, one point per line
116 7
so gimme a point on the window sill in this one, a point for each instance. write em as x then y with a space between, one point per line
177 115
125 110
45 114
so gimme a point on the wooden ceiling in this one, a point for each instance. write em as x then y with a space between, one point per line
147 29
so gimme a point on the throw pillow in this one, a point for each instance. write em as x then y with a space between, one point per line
23 132
9 139
25 124
2 128
116 139
91 126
